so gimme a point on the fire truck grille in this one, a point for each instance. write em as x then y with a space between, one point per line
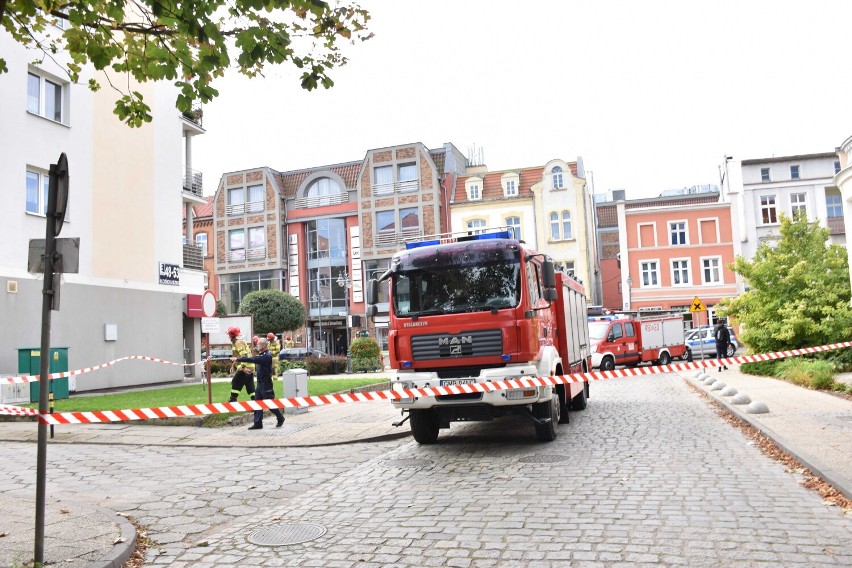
480 343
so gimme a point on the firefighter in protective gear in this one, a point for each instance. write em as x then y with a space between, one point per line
244 377
254 344
274 350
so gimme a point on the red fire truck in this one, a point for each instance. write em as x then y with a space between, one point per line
623 339
477 309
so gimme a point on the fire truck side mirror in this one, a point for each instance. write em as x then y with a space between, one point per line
550 294
548 274
372 291
372 310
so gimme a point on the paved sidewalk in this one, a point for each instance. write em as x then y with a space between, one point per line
814 427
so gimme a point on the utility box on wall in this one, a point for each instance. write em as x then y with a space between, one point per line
29 363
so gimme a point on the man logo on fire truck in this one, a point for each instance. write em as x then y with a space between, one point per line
493 309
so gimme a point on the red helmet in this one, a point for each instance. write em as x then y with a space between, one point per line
254 339
270 336
233 332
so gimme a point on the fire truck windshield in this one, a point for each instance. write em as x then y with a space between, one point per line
457 279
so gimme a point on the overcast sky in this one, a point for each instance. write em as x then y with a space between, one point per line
652 94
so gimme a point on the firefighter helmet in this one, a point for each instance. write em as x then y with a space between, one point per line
254 340
270 336
233 332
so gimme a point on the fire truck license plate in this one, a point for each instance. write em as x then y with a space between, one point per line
451 382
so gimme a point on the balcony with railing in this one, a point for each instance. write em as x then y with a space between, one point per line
193 257
396 238
406 186
243 208
321 201
193 182
836 225
194 114
241 255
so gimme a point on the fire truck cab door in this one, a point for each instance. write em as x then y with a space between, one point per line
616 339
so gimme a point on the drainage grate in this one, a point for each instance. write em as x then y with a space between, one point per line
281 535
407 462
543 458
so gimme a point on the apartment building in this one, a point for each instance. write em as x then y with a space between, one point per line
198 249
672 249
843 182
760 190
547 206
125 200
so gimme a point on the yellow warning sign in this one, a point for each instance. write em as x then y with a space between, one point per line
697 305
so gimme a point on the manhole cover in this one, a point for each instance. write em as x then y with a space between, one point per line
286 534
543 458
407 462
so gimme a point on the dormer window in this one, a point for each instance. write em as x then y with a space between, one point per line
511 182
558 181
474 189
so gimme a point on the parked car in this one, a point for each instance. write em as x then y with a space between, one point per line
299 354
704 335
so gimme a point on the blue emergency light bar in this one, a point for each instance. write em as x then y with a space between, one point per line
438 240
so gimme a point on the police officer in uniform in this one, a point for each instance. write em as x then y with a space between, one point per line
244 377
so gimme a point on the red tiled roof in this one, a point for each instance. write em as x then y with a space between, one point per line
200 211
291 181
492 186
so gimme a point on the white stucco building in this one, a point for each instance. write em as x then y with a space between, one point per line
125 203
761 189
843 181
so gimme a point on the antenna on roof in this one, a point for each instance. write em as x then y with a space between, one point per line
475 156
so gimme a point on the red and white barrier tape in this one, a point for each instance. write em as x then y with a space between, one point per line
64 374
299 402
12 410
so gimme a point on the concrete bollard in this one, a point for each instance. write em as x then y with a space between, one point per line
757 408
741 398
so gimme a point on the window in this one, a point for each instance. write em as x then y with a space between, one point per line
650 276
37 187
767 209
764 174
383 179
409 218
836 166
255 199
386 221
234 287
554 227
629 330
236 201
617 331
201 242
798 206
677 230
794 172
556 173
408 177
326 238
680 272
833 205
44 97
514 224
569 267
712 270
511 188
236 245
476 226
473 192
257 243
322 191
567 227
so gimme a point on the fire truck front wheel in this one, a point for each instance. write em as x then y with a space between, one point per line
424 426
665 358
548 410
607 364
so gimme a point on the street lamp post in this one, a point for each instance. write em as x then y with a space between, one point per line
345 282
319 299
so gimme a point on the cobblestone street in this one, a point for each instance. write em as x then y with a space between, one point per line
648 475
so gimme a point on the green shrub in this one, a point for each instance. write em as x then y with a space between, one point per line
812 373
761 368
285 365
366 364
364 348
220 368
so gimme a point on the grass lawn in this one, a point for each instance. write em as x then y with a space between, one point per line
191 394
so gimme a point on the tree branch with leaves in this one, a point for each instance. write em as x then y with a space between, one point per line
188 42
